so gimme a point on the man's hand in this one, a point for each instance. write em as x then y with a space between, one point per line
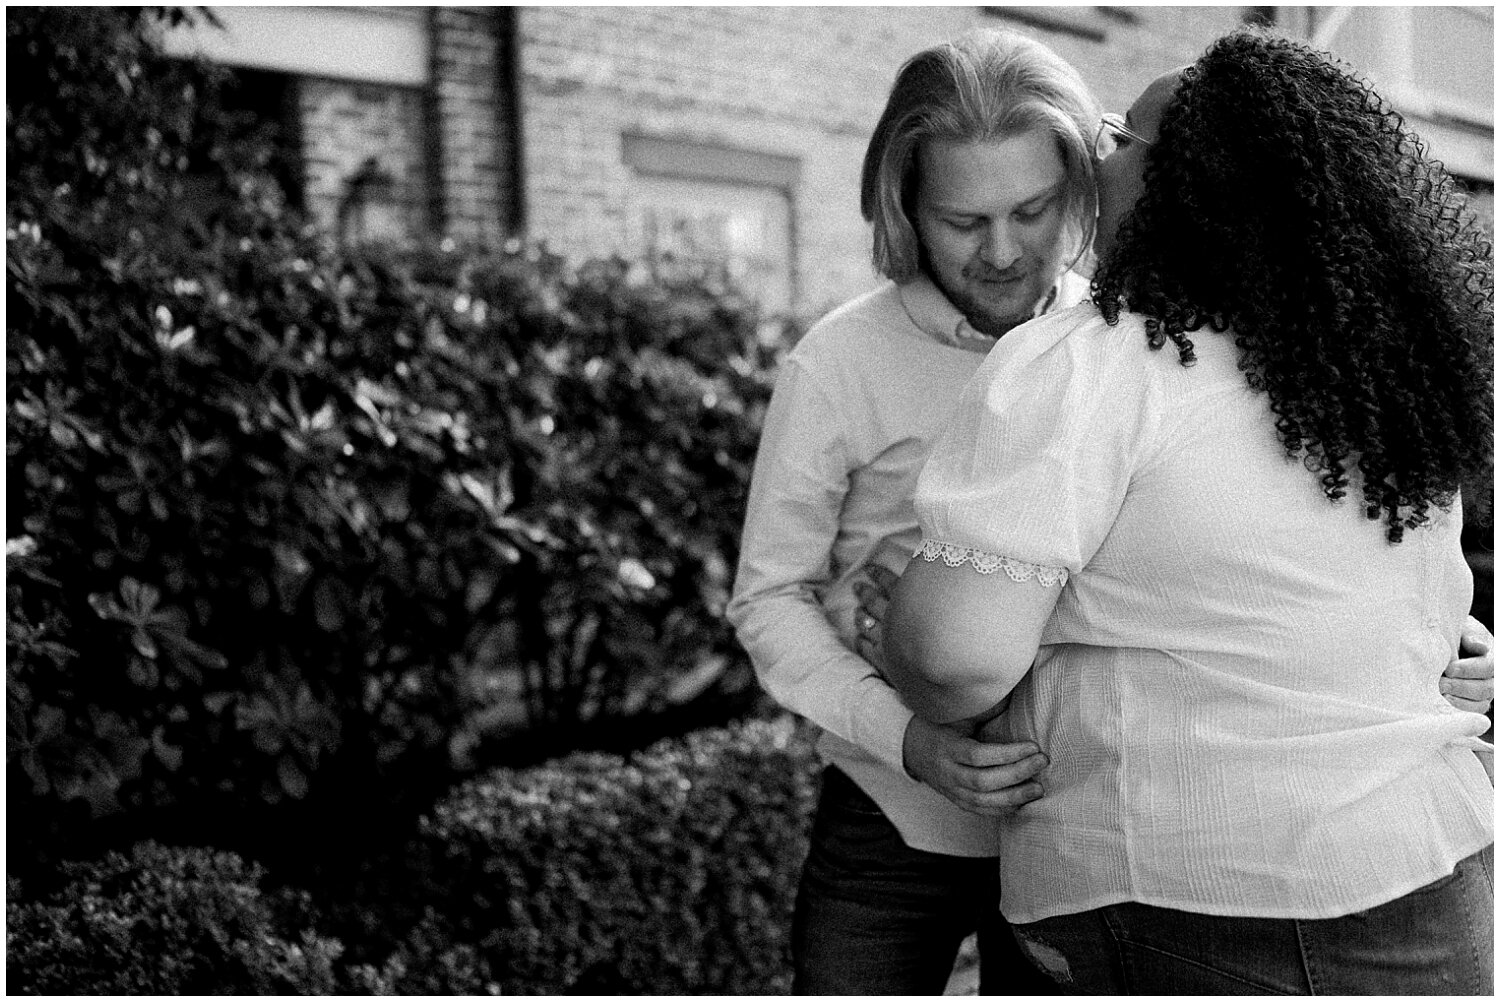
985 778
1469 681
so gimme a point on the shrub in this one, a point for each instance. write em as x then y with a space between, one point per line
185 921
161 922
285 518
670 872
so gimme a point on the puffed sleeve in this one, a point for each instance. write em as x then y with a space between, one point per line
1033 468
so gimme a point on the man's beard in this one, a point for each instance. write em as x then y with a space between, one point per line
980 316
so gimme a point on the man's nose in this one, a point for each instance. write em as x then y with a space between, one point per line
1000 249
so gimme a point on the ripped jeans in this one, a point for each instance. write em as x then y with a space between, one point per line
1437 940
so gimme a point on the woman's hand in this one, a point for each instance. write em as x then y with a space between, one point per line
1469 681
981 777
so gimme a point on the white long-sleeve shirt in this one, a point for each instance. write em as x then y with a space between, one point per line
857 407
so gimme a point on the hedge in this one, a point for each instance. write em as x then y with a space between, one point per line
188 921
672 871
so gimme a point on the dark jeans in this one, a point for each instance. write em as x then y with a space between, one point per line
877 917
1437 940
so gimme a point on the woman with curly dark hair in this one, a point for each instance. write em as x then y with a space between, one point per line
1235 562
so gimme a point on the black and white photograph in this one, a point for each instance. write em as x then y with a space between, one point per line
750 500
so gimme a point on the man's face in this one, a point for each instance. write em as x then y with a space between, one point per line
990 218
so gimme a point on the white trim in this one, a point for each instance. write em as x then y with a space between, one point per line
373 45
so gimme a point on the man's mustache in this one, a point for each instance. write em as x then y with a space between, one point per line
994 275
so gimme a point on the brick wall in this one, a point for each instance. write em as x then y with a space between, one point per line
344 124
794 85
472 173
805 82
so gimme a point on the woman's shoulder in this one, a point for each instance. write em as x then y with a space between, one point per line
1082 328
1081 340
1073 343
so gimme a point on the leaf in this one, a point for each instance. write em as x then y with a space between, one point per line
328 604
216 702
31 762
290 560
634 573
183 669
393 497
140 598
143 672
687 687
142 642
168 755
268 740
293 779
49 723
479 589
205 656
170 621
105 606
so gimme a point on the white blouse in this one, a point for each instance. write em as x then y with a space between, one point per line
1238 689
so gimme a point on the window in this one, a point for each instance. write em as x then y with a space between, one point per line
718 206
337 93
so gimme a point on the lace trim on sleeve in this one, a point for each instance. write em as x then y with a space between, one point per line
989 563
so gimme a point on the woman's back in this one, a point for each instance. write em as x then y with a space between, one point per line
1238 688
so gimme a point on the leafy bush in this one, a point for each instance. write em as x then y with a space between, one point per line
670 872
162 921
183 921
284 517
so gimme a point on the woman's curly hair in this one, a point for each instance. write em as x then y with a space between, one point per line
1284 201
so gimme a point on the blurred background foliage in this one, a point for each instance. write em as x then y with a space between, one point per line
299 534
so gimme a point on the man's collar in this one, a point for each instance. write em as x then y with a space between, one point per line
939 319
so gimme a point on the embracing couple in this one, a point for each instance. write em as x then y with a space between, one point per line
1177 693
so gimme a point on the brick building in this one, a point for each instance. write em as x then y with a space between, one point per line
732 133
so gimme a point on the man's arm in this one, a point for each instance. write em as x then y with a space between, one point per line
797 493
